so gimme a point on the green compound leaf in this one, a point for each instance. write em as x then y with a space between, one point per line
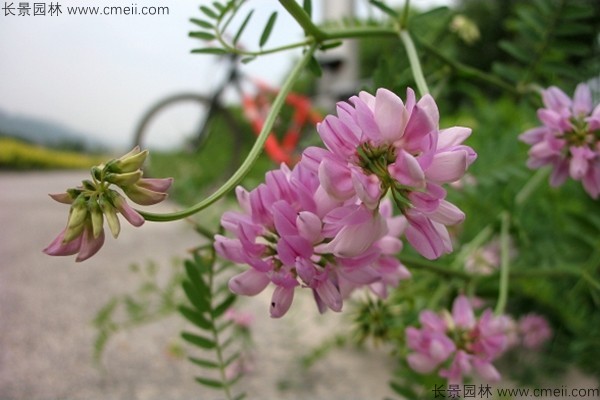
198 340
195 317
196 297
268 29
221 308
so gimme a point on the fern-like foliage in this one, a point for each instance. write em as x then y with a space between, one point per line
549 37
152 300
209 299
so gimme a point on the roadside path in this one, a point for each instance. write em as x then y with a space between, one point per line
47 304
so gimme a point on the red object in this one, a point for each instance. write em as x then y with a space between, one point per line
256 109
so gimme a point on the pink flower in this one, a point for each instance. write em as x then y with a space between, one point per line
293 234
568 139
534 330
378 144
457 344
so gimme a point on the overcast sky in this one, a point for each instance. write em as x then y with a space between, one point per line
97 74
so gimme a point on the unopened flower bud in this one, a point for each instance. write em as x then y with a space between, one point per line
143 196
97 171
124 179
130 162
111 216
64 198
78 214
155 184
72 233
126 210
97 219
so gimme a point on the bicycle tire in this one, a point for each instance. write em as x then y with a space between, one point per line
192 165
159 107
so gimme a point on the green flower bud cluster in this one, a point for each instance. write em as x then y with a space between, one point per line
96 201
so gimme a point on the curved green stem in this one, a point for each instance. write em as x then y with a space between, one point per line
531 185
504 264
415 64
237 177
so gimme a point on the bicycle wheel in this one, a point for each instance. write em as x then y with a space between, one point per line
191 140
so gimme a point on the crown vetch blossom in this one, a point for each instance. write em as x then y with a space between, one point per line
378 143
94 201
569 138
458 342
292 234
534 330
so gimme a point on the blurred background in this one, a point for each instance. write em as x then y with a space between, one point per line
73 89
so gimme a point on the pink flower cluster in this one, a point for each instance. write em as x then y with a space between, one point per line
293 235
327 225
459 342
569 138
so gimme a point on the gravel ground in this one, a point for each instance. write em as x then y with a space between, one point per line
47 305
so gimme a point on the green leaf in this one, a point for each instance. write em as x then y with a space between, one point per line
530 19
515 51
307 6
209 50
314 67
238 34
231 359
209 382
506 71
195 317
268 29
219 6
204 363
198 340
331 45
202 23
247 60
198 299
209 12
221 308
202 35
384 7
193 271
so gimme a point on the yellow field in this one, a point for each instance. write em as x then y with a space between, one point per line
15 154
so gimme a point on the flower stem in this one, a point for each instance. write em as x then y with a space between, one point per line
298 13
415 64
504 264
531 185
257 148
431 266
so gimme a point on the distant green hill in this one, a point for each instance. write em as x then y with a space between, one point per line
46 133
